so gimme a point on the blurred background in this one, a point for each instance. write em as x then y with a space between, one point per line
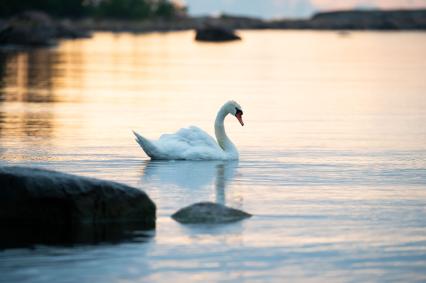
138 9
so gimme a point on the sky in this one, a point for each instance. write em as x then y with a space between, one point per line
290 8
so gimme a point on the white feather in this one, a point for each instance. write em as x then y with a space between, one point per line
192 143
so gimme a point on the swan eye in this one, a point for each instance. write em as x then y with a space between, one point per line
238 111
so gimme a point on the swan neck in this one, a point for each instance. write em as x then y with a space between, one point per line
220 118
219 128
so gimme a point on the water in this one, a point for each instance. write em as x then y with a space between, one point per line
332 155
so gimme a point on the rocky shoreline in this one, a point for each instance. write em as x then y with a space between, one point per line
339 20
33 28
359 20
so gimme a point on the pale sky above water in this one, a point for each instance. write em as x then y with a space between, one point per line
291 8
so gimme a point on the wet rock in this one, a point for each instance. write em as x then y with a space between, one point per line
215 34
29 235
41 197
208 212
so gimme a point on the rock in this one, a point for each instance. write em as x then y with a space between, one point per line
208 212
359 20
29 28
41 197
374 19
215 34
18 235
32 28
66 29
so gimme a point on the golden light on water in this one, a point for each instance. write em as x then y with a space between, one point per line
157 83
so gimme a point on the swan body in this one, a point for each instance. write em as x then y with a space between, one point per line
192 143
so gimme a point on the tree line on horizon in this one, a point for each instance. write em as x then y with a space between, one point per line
110 9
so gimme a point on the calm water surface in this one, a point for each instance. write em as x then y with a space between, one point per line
332 165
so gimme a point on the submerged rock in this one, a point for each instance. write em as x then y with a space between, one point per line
46 198
18 235
209 212
216 34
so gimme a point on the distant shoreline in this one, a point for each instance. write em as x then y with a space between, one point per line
337 20
34 28
330 20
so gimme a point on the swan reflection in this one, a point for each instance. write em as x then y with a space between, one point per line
192 176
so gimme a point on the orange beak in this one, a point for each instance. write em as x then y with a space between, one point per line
240 118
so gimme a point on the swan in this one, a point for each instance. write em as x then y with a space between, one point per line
192 143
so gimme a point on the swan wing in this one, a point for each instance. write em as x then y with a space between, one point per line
191 136
188 143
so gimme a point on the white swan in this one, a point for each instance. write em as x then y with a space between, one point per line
193 143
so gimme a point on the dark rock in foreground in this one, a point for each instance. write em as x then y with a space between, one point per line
32 28
46 198
215 34
208 212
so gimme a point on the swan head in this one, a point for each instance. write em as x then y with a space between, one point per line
235 109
